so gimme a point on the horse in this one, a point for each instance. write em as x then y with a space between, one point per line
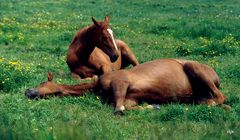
158 81
94 51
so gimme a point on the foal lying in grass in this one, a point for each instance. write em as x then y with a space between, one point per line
158 81
94 51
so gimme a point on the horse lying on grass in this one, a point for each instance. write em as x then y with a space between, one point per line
94 51
158 81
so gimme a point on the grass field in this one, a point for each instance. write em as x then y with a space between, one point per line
34 37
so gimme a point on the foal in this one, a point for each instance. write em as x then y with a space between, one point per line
94 51
159 81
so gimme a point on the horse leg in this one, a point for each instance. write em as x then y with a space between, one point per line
211 102
119 92
127 54
84 72
106 68
203 76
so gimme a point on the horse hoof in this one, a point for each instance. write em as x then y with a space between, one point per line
118 113
226 107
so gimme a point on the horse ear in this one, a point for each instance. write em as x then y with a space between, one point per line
107 19
50 76
95 22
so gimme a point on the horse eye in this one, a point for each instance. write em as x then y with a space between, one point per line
43 83
105 37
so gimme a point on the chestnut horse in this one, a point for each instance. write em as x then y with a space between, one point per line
158 81
94 51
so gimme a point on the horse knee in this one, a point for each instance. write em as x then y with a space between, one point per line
106 69
75 76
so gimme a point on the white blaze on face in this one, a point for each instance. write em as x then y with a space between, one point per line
111 34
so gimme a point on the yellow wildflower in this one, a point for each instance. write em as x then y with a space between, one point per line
13 63
1 59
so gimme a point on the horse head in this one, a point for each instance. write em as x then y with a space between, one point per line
104 39
45 88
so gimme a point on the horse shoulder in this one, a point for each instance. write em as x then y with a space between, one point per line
71 56
105 81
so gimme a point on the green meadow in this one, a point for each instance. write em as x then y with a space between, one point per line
34 38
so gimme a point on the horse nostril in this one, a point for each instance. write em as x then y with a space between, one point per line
26 92
113 58
32 93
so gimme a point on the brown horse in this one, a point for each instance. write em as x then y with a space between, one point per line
94 51
159 81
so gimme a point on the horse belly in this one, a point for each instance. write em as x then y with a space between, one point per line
163 89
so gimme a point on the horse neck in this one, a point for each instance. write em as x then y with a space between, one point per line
79 89
85 42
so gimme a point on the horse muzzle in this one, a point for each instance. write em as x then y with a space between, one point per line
113 58
32 93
